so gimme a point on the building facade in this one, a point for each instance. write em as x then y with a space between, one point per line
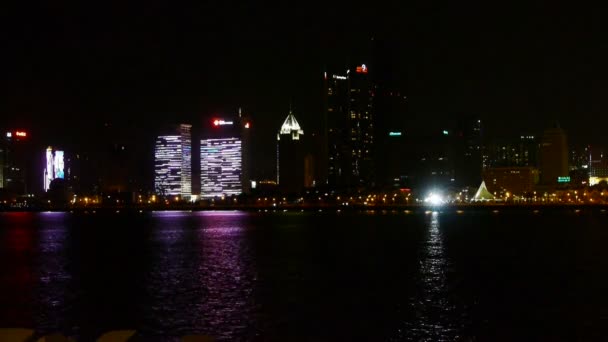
516 180
290 156
224 156
349 120
173 163
221 167
553 156
16 163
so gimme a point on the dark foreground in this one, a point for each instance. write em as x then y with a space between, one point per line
477 274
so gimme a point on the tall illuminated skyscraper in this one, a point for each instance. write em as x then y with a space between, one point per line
225 157
173 163
290 156
349 126
221 167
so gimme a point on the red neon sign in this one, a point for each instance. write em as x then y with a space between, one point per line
220 122
247 125
362 69
21 134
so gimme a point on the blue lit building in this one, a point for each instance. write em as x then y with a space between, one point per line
55 167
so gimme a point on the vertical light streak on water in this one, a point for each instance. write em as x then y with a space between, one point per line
433 312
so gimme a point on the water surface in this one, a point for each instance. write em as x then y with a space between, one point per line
393 276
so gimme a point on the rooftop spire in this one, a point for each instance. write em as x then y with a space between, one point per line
291 126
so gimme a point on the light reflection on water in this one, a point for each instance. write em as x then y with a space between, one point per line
348 277
434 312
205 277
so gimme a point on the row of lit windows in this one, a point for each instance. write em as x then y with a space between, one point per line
171 173
221 166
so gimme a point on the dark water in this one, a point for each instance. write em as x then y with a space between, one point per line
446 276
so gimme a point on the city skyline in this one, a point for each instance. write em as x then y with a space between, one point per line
93 89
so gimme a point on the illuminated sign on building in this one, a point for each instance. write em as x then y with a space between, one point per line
58 164
563 179
394 134
221 167
218 122
21 134
9 134
337 77
247 125
362 69
445 132
54 167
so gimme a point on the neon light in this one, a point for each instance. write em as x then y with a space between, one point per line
338 77
563 179
247 125
362 69
445 132
219 122
394 134
9 134
21 134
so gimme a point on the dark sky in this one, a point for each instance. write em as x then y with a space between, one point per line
69 68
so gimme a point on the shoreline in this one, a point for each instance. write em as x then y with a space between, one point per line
320 208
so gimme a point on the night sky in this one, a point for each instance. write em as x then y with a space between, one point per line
71 68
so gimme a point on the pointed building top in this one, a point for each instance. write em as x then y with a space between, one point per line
291 125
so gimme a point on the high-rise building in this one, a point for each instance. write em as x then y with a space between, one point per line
553 156
55 167
467 153
173 163
244 126
16 163
349 128
221 167
221 157
290 156
390 133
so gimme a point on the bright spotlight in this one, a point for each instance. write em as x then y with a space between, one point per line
434 199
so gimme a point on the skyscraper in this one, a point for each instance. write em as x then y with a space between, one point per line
553 156
468 160
222 158
349 121
221 167
290 156
173 163
16 163
244 125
